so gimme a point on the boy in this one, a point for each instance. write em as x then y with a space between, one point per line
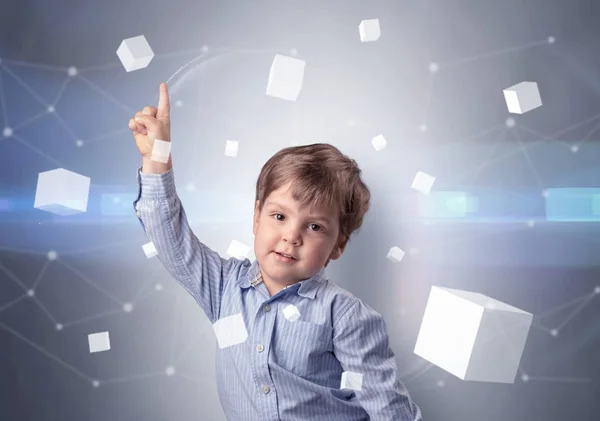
290 332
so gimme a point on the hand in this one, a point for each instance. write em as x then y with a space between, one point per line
152 123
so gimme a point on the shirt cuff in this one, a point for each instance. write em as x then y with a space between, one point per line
156 186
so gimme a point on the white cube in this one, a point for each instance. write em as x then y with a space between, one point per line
285 77
161 149
231 148
62 192
423 182
149 250
369 30
522 97
99 342
379 142
351 380
135 53
238 249
230 330
395 254
291 312
472 336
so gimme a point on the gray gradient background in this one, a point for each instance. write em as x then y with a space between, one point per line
352 92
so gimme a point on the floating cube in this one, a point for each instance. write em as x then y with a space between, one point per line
291 312
231 148
395 254
522 97
135 53
285 77
149 250
62 192
99 342
161 149
351 380
238 250
230 330
472 336
423 182
369 30
379 142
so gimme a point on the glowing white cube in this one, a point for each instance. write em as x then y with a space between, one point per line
291 312
99 342
522 97
149 250
231 148
351 380
423 182
238 249
369 30
161 149
230 330
135 53
395 254
285 77
379 142
472 336
62 192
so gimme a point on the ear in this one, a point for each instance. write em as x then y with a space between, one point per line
256 217
338 249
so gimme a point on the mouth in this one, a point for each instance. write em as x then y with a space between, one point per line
285 256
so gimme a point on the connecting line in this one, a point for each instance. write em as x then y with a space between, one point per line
46 353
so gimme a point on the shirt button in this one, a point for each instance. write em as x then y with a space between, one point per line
260 348
267 308
265 389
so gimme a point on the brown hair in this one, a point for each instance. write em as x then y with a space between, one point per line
321 176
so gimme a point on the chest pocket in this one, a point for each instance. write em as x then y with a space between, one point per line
302 347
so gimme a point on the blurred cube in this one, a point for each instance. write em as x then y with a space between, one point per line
285 77
231 148
161 150
351 381
99 342
230 330
522 97
135 53
395 254
62 192
369 30
572 204
291 312
149 250
423 182
448 204
238 250
472 336
379 142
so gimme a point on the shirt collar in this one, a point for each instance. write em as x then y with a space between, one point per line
308 287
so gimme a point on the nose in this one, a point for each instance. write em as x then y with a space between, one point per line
291 234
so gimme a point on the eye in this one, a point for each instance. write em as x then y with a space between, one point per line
317 226
276 214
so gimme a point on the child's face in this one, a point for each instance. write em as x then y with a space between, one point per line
281 226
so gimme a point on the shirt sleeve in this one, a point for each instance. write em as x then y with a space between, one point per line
200 270
361 345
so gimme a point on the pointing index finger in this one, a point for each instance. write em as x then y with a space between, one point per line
164 106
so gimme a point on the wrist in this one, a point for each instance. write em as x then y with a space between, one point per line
153 167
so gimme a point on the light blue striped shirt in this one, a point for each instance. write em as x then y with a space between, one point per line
284 370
